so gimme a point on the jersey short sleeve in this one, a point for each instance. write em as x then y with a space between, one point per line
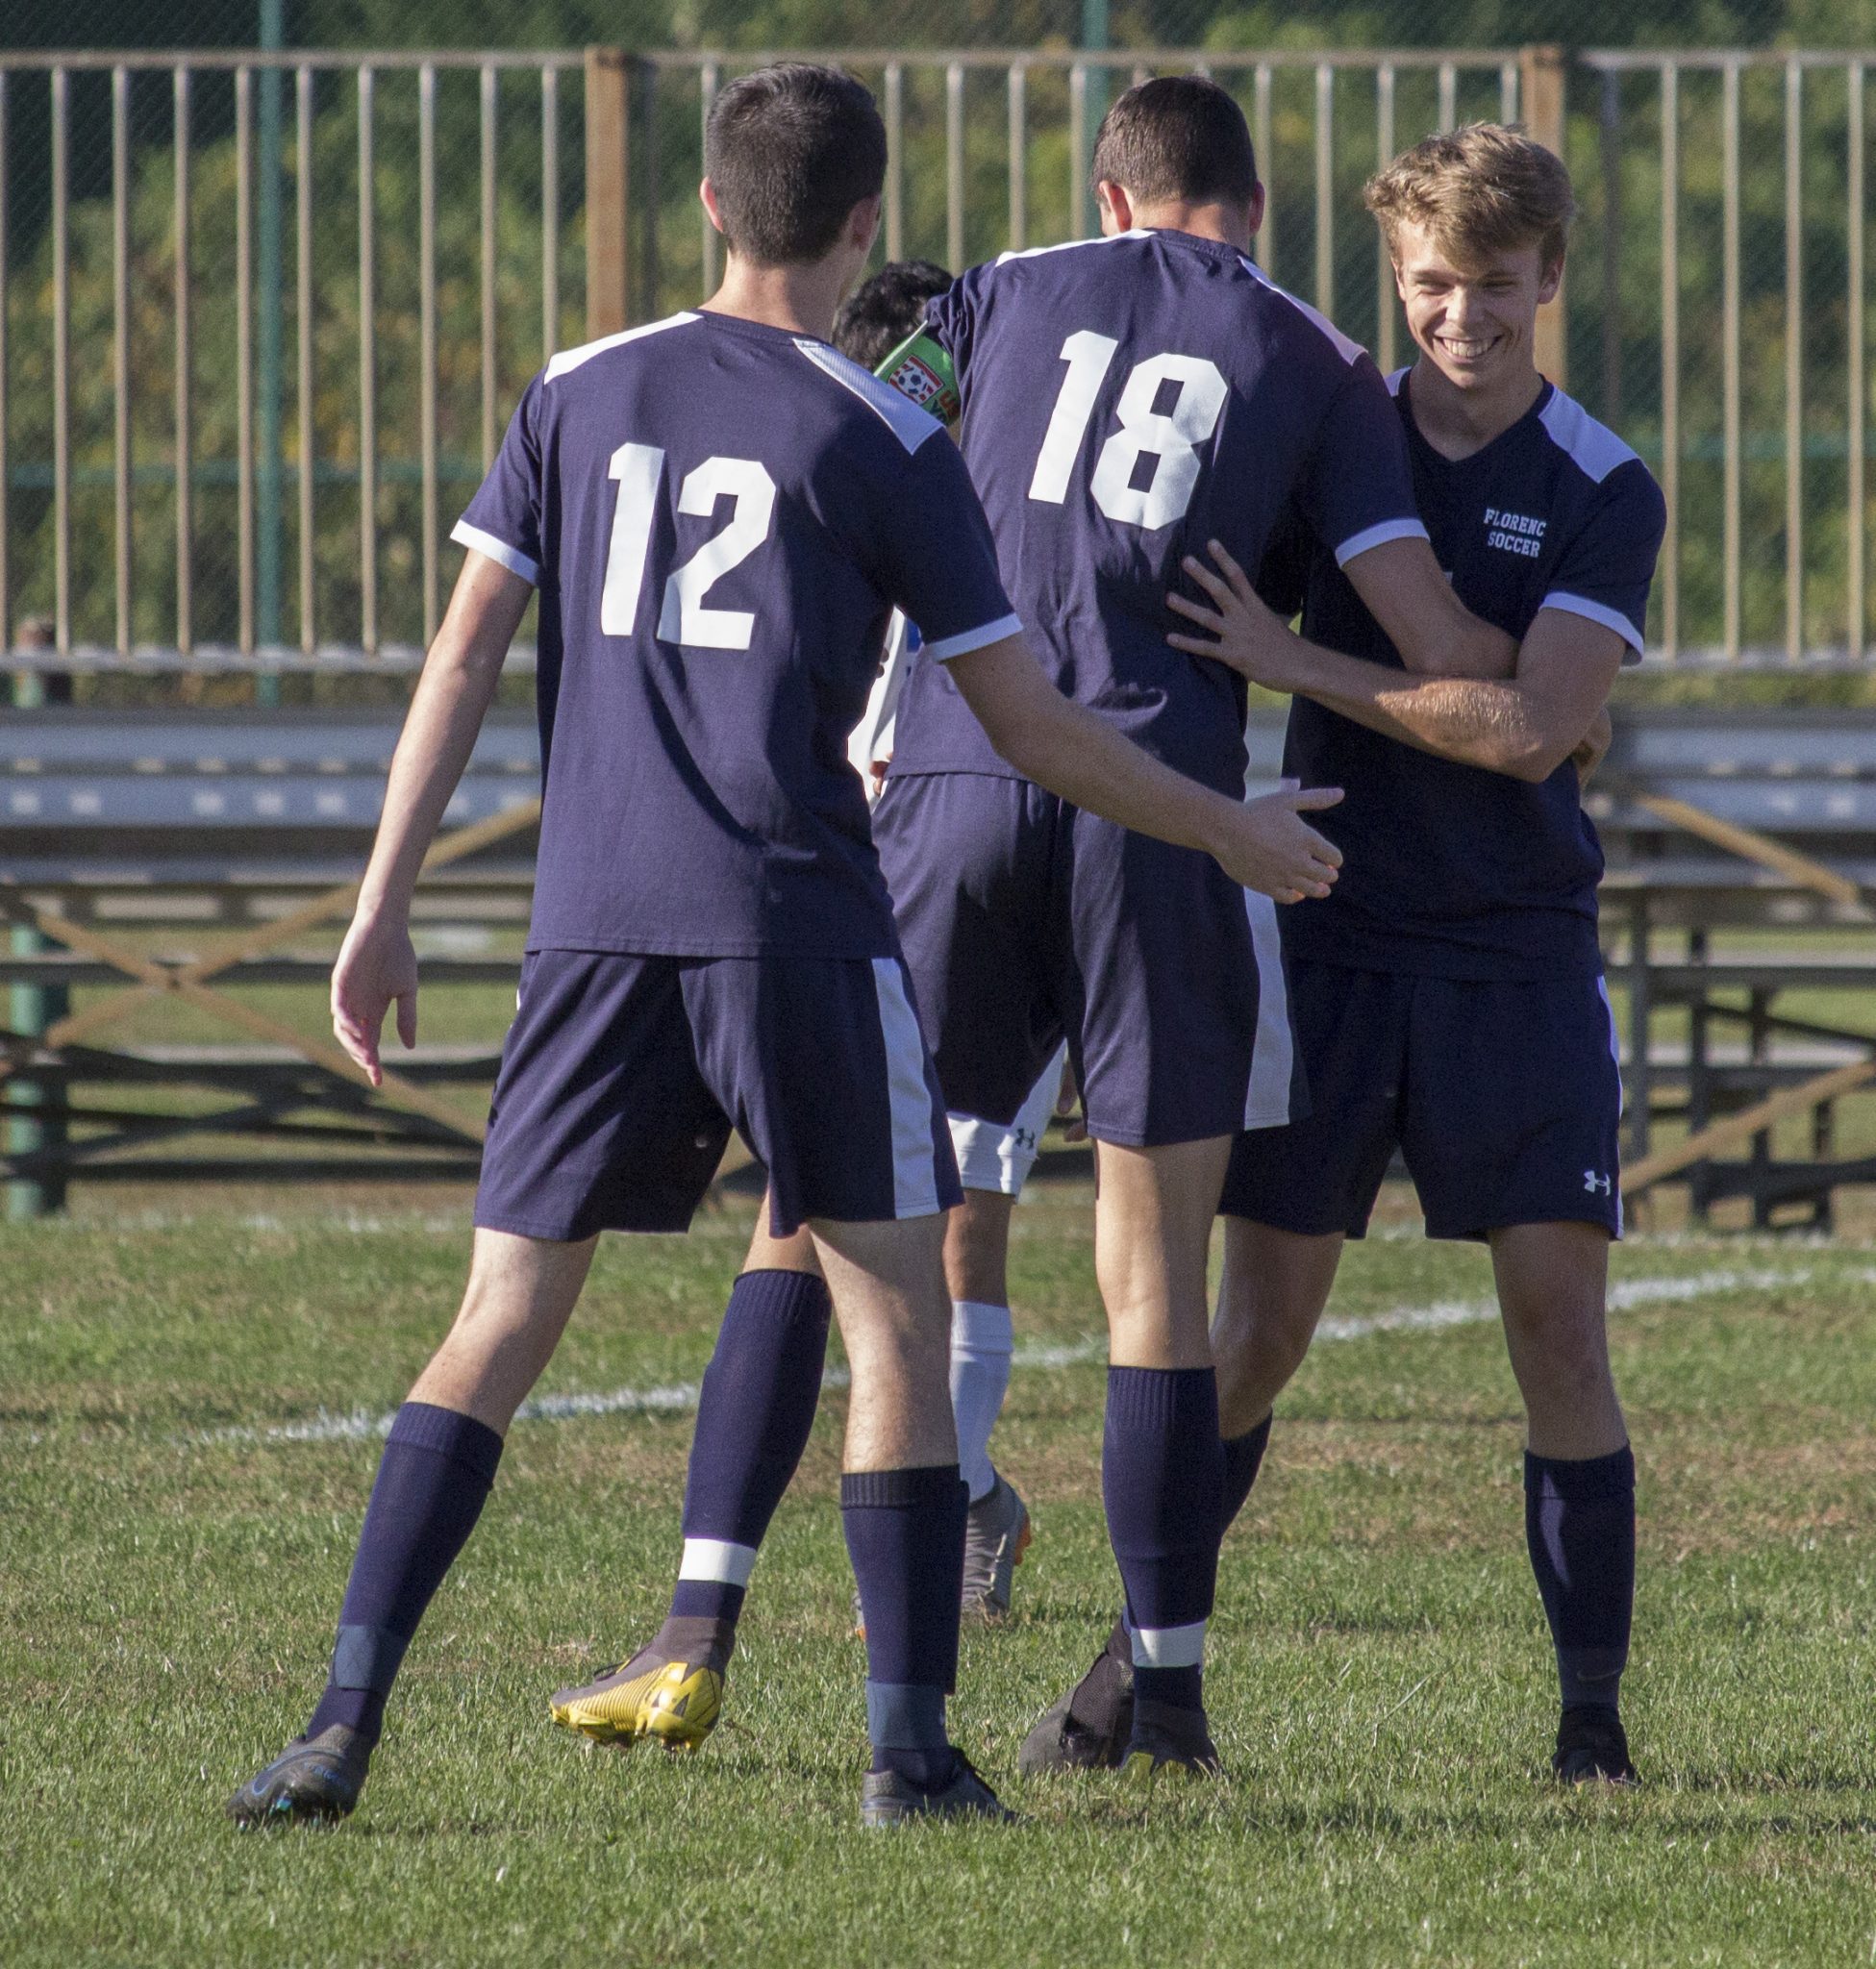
502 520
951 318
1607 565
1357 487
939 561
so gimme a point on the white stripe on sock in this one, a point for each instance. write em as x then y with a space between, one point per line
1168 1647
717 1559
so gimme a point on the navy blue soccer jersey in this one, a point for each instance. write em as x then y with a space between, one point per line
720 517
1125 400
1450 870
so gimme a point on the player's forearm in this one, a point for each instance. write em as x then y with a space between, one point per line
1459 644
1077 755
1480 722
451 700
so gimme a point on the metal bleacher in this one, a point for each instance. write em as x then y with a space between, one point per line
176 854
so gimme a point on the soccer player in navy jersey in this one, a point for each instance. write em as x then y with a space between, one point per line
1123 401
719 514
1449 991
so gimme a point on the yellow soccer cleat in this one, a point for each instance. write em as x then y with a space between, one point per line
675 1703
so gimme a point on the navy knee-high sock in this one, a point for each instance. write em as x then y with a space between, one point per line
1163 1480
432 1481
1579 1522
754 1416
1243 1458
906 1538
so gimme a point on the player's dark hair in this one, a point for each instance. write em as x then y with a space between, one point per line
878 314
1177 136
789 151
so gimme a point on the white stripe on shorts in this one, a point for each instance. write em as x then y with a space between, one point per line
1273 1052
719 1560
1168 1647
915 1178
1621 1093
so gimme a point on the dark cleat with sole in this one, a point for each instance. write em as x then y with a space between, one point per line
886 1798
1088 1729
1166 1738
1593 1748
314 1780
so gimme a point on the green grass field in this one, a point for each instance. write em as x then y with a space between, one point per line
172 1551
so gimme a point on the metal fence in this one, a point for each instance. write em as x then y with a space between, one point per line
264 315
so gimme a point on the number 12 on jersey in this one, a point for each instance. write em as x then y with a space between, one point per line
1171 437
682 616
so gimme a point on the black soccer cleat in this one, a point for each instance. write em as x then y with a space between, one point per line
886 1798
1593 1748
1090 1727
1166 1738
314 1780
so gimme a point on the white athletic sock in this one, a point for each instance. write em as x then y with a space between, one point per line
981 1343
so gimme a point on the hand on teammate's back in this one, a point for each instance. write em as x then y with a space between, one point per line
377 966
1244 633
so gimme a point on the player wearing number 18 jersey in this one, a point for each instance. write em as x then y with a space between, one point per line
1122 402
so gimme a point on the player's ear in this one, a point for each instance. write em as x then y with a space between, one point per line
1550 280
1255 211
1116 208
863 223
707 191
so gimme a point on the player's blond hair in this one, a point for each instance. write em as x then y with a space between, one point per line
1481 189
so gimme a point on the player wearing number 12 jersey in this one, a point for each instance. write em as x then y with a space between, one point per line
719 514
1123 401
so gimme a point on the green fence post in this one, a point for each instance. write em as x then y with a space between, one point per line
33 1009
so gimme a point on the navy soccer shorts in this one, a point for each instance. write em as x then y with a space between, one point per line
1025 921
1505 1100
622 1076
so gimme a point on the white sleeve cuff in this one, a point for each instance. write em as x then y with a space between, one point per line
974 638
511 558
1596 612
1378 537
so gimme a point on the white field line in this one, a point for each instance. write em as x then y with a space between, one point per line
680 1398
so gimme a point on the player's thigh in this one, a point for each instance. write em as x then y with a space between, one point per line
1320 1176
965 857
1165 975
1513 1104
822 1066
1153 1215
600 1119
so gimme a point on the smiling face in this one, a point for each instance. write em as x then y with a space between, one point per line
1476 322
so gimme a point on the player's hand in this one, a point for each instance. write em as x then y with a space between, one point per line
1244 634
1268 846
1594 748
1068 1100
376 967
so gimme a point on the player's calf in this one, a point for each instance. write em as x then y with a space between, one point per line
754 1416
